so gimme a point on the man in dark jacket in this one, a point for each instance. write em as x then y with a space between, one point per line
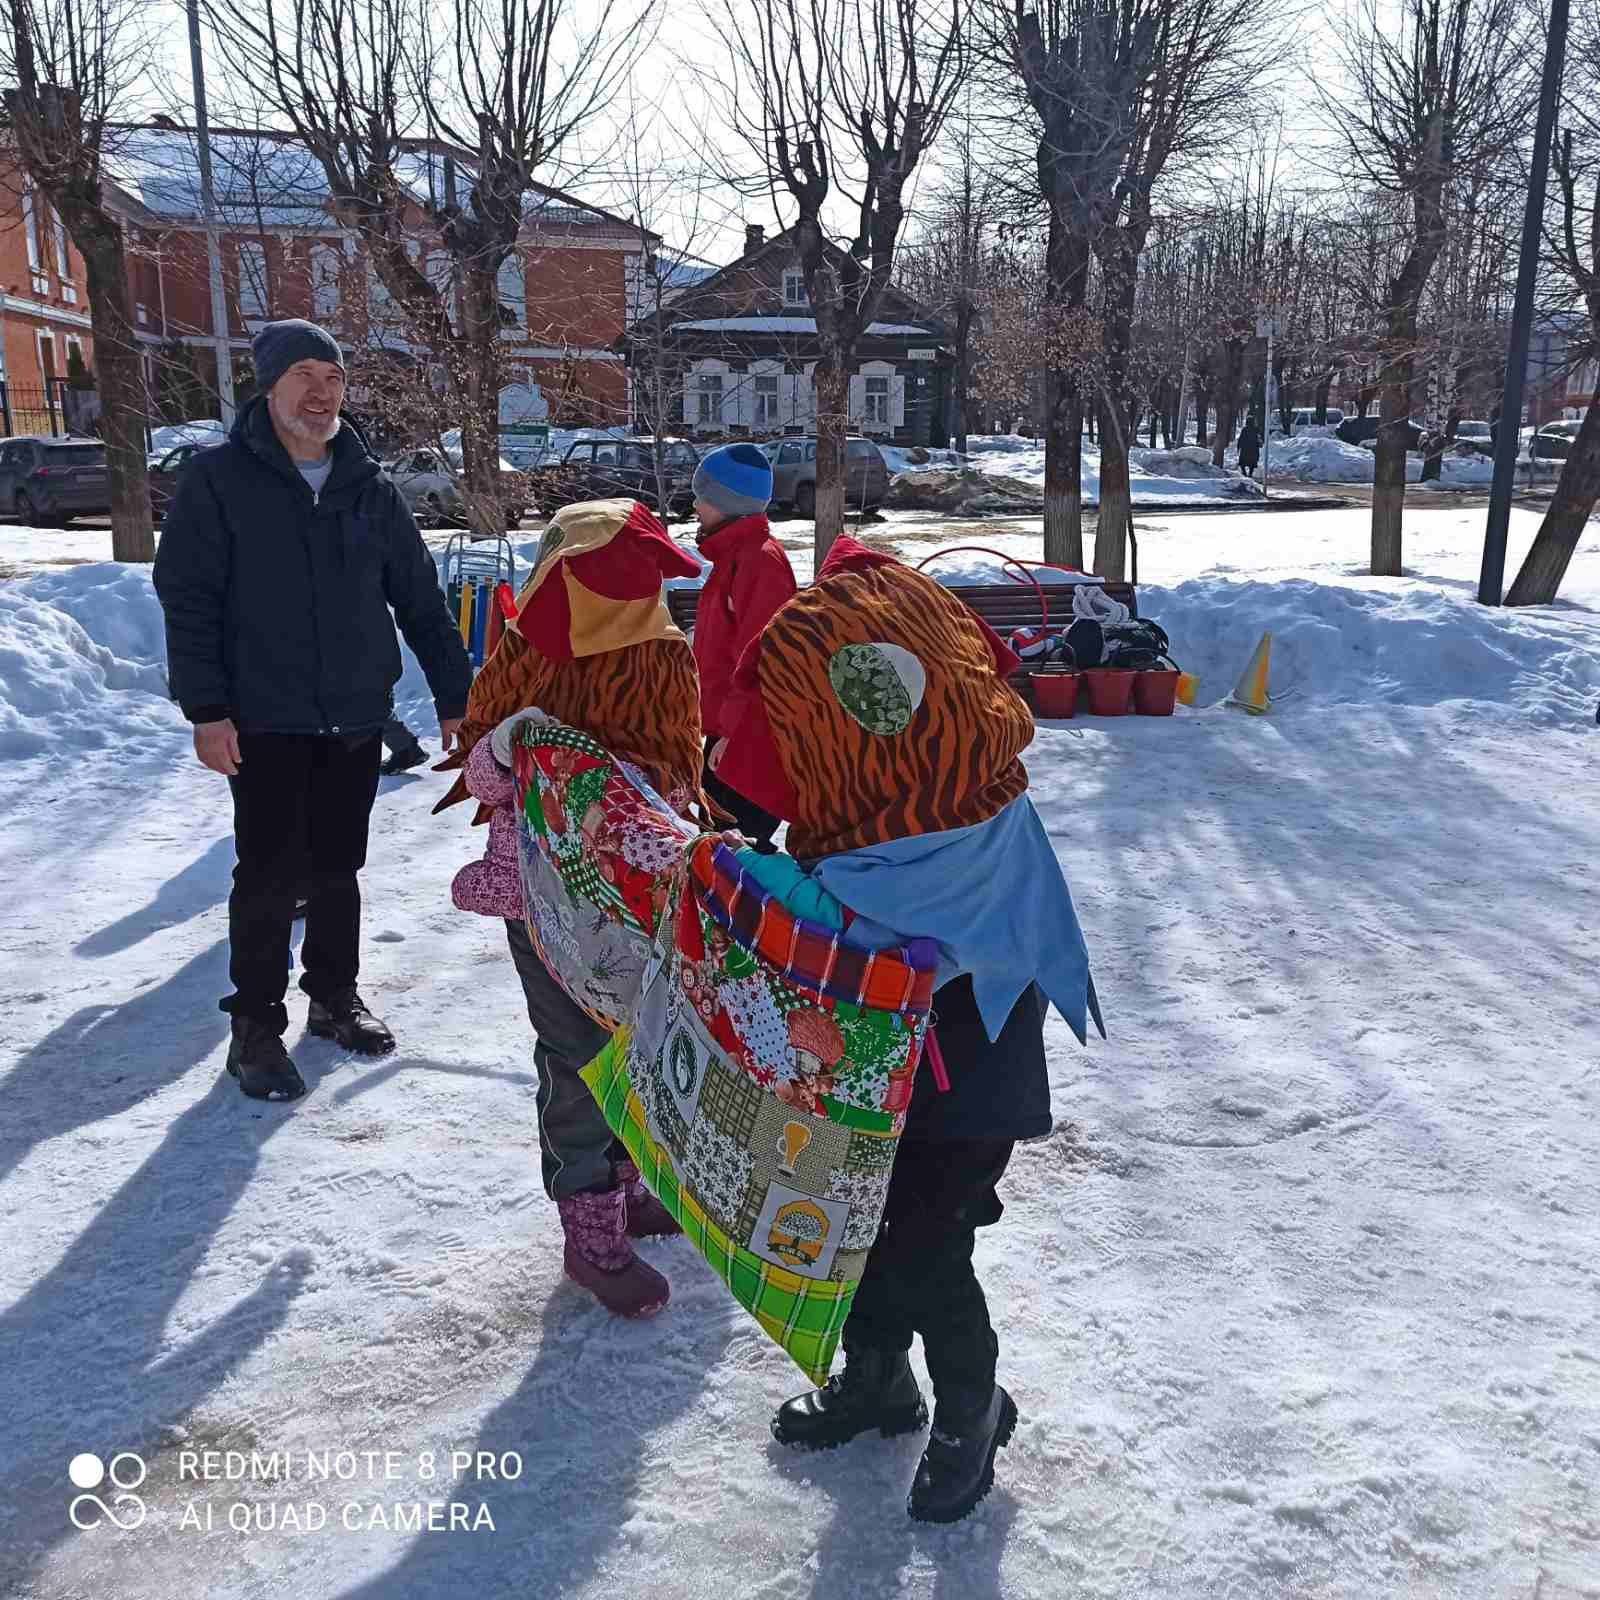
282 555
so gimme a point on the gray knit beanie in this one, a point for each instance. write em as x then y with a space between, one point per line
280 344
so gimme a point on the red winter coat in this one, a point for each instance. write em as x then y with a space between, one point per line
750 581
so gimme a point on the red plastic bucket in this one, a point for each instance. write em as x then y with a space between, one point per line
1055 694
1155 693
1110 690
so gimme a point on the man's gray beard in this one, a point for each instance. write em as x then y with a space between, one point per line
313 435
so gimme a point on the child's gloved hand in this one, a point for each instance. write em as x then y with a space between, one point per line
500 739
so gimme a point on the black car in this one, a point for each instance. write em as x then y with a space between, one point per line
1553 442
164 477
1364 430
47 482
613 469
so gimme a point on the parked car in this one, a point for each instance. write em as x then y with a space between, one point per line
1553 442
48 482
201 432
1364 430
1306 417
429 482
164 476
609 469
1476 436
794 474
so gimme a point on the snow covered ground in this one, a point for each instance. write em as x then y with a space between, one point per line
1185 475
1301 1299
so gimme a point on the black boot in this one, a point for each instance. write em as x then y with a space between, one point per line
877 1389
957 1468
256 1057
344 1018
403 760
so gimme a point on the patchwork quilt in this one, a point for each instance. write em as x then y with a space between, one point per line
761 1066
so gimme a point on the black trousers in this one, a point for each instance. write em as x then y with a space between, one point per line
919 1276
577 1150
301 807
754 822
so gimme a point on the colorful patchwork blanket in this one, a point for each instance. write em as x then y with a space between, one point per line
598 849
763 1066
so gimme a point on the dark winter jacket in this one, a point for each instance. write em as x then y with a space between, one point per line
1249 446
278 602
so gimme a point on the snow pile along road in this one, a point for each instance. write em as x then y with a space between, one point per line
79 664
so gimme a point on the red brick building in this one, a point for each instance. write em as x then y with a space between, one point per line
44 310
564 295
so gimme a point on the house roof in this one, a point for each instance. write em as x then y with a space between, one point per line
791 325
679 314
266 178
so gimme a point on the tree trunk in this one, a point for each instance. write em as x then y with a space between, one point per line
1202 415
1063 471
1577 490
1227 398
832 379
1116 497
957 408
120 380
1324 388
480 387
1389 467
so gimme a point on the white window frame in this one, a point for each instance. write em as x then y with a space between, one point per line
511 286
255 284
876 415
707 384
793 296
766 404
74 343
42 340
326 281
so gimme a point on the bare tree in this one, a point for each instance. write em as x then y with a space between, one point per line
75 65
839 100
1429 94
432 120
1574 244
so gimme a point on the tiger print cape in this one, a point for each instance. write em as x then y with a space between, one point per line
593 647
874 707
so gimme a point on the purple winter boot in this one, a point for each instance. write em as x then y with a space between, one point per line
599 1257
647 1217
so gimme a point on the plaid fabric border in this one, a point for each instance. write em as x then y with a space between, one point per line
811 956
803 1315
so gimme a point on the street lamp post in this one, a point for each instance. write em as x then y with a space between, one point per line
1491 580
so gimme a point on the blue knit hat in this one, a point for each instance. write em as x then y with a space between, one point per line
737 480
280 344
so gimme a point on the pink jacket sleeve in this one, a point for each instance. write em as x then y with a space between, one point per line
486 779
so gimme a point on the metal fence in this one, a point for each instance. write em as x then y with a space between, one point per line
53 408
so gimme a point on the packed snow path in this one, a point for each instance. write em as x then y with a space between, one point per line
1302 1298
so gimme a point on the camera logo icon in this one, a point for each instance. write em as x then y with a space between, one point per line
125 1471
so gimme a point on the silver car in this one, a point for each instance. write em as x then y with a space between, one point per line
429 482
794 474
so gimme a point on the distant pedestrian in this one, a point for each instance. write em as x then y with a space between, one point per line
1249 448
749 582
283 553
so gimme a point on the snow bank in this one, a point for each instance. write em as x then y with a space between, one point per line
1419 646
81 664
1321 458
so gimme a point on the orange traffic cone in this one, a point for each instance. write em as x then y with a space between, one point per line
1250 692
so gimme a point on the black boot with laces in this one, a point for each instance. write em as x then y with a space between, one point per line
256 1057
877 1389
957 1468
344 1018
